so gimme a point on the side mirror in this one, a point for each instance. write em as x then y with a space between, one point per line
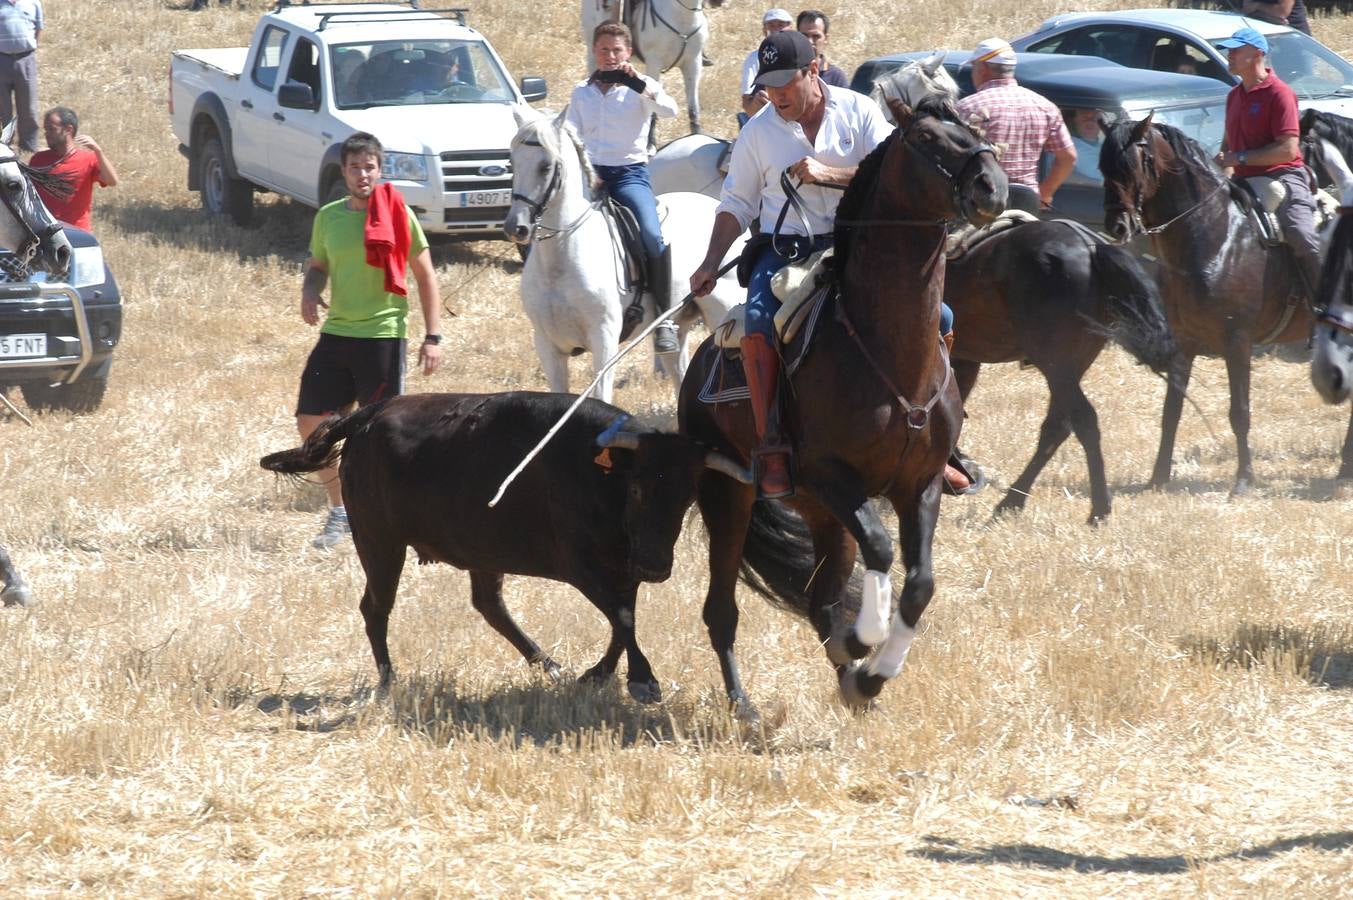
296 95
533 88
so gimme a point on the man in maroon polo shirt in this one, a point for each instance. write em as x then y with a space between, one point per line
1262 139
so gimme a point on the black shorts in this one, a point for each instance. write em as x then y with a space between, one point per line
346 370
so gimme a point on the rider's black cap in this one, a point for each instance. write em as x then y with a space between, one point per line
781 55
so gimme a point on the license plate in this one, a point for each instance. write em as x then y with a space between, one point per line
13 346
486 198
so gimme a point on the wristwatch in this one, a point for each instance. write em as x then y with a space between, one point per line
1241 156
432 339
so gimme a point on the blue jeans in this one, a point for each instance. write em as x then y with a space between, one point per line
762 304
630 186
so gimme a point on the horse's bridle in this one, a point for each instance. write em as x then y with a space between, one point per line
35 237
1134 212
537 207
965 160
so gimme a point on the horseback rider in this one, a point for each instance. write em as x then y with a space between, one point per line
611 113
1262 139
820 134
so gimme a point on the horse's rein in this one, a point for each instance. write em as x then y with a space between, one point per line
537 207
34 239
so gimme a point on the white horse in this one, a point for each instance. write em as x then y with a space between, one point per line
1332 359
697 162
574 286
668 34
29 235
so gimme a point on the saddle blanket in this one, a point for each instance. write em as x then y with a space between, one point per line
963 240
727 381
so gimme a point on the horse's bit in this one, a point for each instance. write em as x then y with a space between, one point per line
537 207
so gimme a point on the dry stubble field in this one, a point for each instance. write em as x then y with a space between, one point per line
1163 705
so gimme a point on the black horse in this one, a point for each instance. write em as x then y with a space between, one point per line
1224 289
1051 293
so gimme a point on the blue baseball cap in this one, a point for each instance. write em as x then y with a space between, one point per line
1246 37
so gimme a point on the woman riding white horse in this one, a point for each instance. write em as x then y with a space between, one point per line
575 285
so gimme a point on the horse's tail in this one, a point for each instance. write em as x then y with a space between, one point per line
321 449
778 561
1137 315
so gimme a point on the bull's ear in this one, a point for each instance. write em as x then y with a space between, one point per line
1141 128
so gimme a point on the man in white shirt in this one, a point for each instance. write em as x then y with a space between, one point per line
821 134
753 97
611 112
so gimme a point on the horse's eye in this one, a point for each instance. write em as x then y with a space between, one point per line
544 168
14 185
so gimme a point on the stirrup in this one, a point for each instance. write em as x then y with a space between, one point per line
759 469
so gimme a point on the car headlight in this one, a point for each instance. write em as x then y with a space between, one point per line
404 167
86 267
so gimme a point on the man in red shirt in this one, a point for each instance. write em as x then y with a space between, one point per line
1262 140
76 156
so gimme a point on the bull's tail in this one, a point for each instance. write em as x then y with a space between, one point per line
778 561
321 449
1136 313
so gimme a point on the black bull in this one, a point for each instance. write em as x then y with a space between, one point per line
418 471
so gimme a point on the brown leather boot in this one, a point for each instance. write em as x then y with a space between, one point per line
761 362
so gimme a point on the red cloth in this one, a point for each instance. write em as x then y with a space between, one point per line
387 237
1258 117
81 167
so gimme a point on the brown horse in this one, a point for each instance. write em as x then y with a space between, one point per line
873 411
1224 289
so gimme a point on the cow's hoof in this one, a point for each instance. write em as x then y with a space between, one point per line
858 688
17 595
645 691
596 675
744 711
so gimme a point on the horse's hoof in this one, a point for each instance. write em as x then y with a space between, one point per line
645 691
858 688
552 670
18 595
1011 504
1097 518
1343 489
1242 488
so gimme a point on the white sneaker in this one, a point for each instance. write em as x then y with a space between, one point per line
335 529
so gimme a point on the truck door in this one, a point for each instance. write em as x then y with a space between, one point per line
301 141
257 129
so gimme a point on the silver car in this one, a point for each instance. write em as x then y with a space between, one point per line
1185 40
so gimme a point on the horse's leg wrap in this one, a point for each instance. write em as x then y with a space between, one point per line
871 626
887 663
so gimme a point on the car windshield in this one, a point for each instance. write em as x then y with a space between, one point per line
1205 124
417 73
1310 68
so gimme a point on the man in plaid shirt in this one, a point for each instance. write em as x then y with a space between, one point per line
1018 122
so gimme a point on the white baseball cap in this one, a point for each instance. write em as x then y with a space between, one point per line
993 50
776 15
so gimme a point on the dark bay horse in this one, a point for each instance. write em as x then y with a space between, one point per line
1224 289
1332 361
1051 293
873 411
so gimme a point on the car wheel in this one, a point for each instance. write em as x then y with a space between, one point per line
221 194
81 397
335 190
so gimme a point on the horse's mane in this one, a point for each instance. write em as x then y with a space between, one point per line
1336 129
1189 155
59 185
1338 269
861 187
544 131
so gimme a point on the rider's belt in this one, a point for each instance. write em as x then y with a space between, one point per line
28 52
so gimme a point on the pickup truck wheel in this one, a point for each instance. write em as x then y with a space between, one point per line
83 396
221 194
335 190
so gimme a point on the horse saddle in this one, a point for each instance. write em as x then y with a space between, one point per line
800 288
797 322
963 239
1265 195
631 241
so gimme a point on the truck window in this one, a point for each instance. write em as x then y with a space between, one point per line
269 58
417 72
305 66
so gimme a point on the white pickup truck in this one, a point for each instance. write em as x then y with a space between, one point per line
272 116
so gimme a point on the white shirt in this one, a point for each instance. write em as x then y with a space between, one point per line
614 125
750 66
852 126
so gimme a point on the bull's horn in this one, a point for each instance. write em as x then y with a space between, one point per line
621 440
720 463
